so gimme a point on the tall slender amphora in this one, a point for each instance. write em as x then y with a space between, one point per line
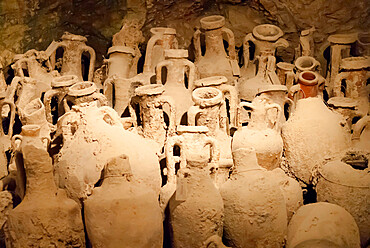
215 61
196 208
178 69
45 217
74 46
162 38
123 212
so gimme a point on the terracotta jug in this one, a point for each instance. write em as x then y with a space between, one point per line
162 38
151 101
193 143
34 114
215 61
361 134
45 217
74 46
348 107
92 135
306 45
122 212
38 66
348 187
6 133
277 94
117 87
177 68
60 87
21 91
30 135
229 93
340 47
83 92
266 38
248 87
209 111
195 196
312 133
262 133
308 86
322 225
255 210
285 73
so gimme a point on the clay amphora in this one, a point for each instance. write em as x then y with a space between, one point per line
255 210
341 184
91 136
322 225
340 47
45 217
286 74
348 107
196 208
151 101
229 93
266 38
178 67
352 81
291 190
30 135
83 92
21 91
162 39
306 45
215 61
277 94
194 143
117 87
208 111
122 212
38 66
312 133
34 114
74 46
5 133
307 63
262 133
60 87
308 86
248 87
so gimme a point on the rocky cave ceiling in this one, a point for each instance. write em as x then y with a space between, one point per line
27 24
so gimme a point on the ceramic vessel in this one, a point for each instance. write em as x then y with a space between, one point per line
193 143
266 38
348 107
91 136
74 47
178 68
322 225
151 101
255 209
196 207
308 86
286 74
361 134
6 132
162 38
122 212
215 61
339 183
21 91
208 111
83 92
262 133
45 217
229 93
322 132
59 89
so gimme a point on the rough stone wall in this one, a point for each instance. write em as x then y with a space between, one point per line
26 24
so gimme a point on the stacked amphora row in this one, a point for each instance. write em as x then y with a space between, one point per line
208 153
